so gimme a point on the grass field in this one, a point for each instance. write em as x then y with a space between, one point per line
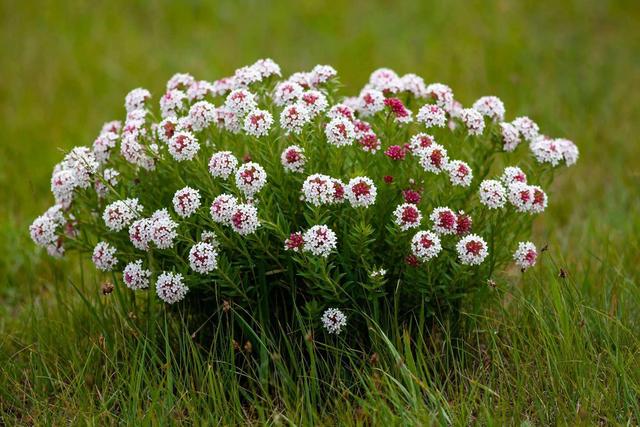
554 351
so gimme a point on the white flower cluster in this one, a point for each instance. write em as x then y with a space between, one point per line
432 116
293 159
250 178
472 250
222 164
334 320
361 192
320 240
425 245
104 256
526 255
407 216
186 201
203 258
119 214
170 287
135 276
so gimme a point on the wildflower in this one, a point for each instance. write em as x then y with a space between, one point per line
222 164
287 92
315 101
521 196
210 237
113 126
121 213
338 193
546 150
407 216
301 78
293 159
136 99
340 132
432 116
411 196
104 256
510 136
172 102
63 183
492 194
295 242
463 223
186 201
258 122
229 120
222 86
244 219
490 106
203 258
56 249
240 102
513 174
320 240
250 178
425 245
166 128
378 273
444 220
472 250
136 277
420 142
180 81
442 94
434 158
459 173
317 189
294 117
82 162
569 151
525 256
402 114
385 80
395 152
322 74
140 233
162 229
43 230
370 102
183 146
222 208
369 142
334 320
388 179
527 128
341 111
201 115
267 67
539 203
245 76
411 260
361 192
413 84
473 120
199 90
170 288
103 145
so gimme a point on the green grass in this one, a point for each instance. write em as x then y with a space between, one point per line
551 351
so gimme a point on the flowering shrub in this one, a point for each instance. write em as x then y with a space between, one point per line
280 196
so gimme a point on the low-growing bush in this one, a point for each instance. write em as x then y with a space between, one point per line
285 199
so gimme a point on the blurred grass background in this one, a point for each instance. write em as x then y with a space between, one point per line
572 66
